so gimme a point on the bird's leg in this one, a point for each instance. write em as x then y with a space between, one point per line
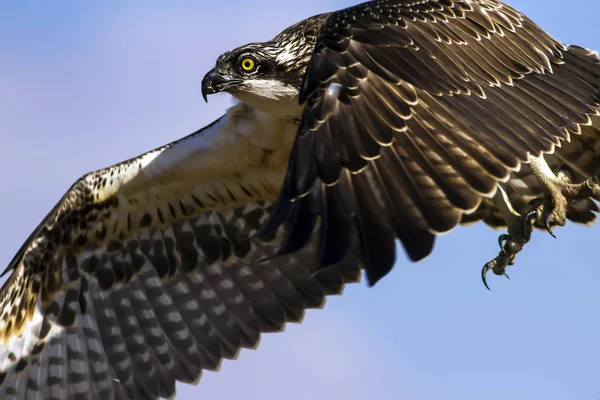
519 233
552 209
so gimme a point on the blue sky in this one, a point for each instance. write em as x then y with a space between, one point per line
86 85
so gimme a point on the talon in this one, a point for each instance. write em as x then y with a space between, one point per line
502 239
506 275
488 266
524 221
547 225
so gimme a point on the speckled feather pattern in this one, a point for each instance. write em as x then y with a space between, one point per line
144 274
416 110
135 281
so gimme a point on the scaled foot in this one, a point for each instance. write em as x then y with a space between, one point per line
551 210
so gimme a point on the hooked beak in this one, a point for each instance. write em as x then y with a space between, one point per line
215 82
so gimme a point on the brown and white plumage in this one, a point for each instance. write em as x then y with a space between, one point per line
144 273
578 160
415 111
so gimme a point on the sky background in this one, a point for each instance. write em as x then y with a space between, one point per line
84 85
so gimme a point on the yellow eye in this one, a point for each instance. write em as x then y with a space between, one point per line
248 64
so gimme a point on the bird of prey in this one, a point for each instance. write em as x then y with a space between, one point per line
390 120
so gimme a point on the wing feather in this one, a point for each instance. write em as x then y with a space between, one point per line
151 271
446 99
575 160
146 274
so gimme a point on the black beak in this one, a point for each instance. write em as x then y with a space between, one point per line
215 82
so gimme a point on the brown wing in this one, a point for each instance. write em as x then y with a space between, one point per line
415 110
578 160
144 273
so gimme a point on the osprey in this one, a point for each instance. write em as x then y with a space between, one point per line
388 120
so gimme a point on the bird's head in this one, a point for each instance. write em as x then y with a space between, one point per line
265 75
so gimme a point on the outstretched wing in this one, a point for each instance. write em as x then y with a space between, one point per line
414 111
144 273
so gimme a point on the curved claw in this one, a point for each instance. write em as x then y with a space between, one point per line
547 224
526 218
497 266
502 239
484 271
